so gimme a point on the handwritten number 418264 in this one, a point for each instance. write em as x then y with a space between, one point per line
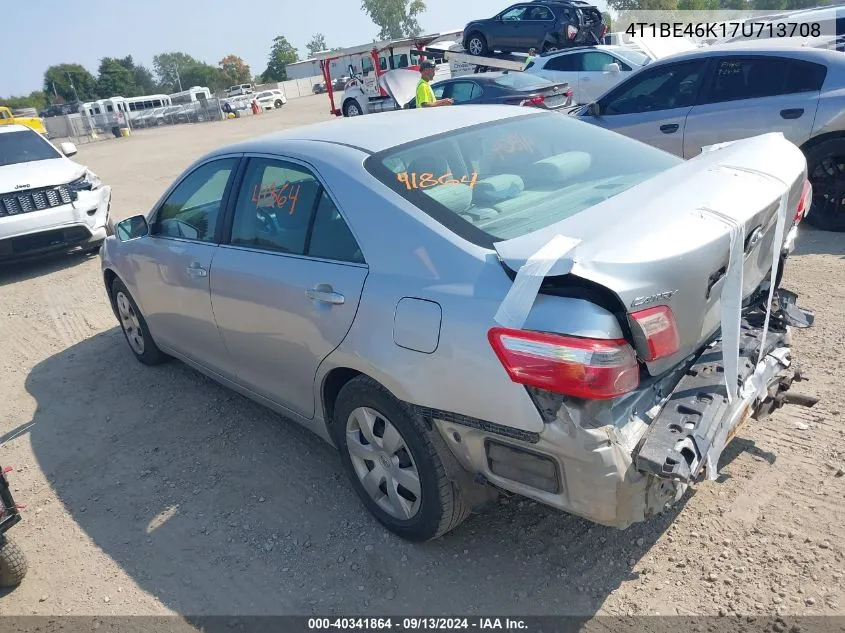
276 196
414 180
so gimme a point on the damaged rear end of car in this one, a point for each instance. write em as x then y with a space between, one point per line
688 264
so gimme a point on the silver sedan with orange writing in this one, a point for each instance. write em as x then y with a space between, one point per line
470 300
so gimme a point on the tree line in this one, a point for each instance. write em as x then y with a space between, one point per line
67 83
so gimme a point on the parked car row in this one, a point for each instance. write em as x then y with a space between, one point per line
193 112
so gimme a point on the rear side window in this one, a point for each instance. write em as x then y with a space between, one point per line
570 63
737 78
664 88
274 206
510 177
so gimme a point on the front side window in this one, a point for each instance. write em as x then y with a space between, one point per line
515 14
513 176
274 206
665 88
595 61
193 207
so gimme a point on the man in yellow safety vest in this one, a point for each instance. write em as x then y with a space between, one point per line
425 95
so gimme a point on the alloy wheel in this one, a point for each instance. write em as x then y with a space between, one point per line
828 180
476 46
383 463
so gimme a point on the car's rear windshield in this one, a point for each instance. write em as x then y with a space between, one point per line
521 81
513 176
23 147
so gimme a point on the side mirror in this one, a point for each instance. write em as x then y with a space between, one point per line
594 109
612 68
68 149
131 228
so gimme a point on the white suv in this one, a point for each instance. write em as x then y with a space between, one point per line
47 202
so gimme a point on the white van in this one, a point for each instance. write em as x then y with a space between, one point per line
241 89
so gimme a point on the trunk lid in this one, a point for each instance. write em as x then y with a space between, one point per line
654 244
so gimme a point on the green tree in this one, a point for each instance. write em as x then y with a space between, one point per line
317 44
144 80
395 18
70 80
234 70
202 74
170 68
35 99
281 54
605 17
114 78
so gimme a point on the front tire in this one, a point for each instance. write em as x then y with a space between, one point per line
134 326
393 463
352 108
12 563
477 44
826 172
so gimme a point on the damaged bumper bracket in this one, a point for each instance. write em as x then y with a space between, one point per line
698 420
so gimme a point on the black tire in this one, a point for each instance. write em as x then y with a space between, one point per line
442 505
12 563
150 354
548 47
349 108
478 42
826 172
278 103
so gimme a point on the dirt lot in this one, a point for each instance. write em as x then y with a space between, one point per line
153 490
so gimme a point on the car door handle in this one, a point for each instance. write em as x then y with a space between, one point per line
669 128
584 79
196 271
792 113
325 296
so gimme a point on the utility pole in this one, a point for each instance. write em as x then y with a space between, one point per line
70 79
178 78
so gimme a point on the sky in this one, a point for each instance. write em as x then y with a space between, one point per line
84 32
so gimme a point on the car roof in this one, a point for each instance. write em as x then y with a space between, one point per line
15 127
775 47
377 132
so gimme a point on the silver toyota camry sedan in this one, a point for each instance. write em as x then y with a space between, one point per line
481 299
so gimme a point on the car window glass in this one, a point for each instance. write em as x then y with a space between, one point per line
595 61
463 91
517 13
805 77
438 91
274 206
749 78
330 235
191 210
672 86
539 13
570 63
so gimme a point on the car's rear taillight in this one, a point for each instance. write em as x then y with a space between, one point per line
658 330
594 369
571 32
533 101
805 203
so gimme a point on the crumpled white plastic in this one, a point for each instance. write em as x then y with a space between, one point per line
517 304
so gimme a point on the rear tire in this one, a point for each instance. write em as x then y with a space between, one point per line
12 563
477 44
134 327
278 103
548 47
400 451
826 172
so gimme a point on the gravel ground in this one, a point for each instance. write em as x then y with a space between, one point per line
153 490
